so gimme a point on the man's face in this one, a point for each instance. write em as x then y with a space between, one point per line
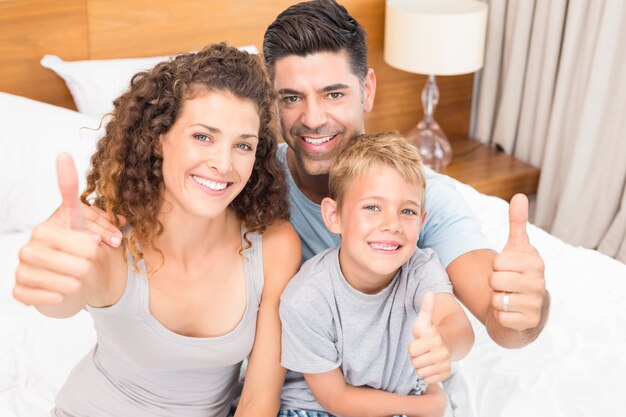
321 104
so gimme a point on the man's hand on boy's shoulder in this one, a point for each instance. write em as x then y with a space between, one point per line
99 223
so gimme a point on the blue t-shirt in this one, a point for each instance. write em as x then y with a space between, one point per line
451 229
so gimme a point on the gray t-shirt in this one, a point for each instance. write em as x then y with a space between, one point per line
328 324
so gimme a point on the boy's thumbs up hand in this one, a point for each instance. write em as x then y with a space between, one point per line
429 354
518 274
424 320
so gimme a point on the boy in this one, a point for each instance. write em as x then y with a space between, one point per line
351 313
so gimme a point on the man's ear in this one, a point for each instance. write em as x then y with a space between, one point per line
370 90
330 215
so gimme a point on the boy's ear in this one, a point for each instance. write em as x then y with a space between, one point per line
330 215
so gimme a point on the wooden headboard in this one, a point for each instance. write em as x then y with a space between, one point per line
100 29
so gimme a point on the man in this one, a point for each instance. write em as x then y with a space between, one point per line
316 54
317 57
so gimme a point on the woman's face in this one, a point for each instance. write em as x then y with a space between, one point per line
209 153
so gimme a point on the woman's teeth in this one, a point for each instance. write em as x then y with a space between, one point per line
215 186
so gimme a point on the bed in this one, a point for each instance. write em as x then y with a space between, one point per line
576 367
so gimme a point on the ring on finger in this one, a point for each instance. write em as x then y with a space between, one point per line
505 301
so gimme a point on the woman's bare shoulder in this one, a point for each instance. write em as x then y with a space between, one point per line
113 270
279 234
282 252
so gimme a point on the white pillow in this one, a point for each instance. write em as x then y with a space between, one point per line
95 84
32 134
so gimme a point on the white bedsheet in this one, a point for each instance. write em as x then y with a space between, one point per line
577 367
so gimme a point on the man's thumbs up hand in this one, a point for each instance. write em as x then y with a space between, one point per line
518 274
518 218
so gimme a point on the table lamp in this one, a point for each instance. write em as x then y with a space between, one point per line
434 37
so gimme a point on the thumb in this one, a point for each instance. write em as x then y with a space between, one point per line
68 185
518 217
424 319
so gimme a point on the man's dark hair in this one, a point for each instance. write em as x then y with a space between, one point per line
316 26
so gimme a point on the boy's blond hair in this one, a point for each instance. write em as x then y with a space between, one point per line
364 151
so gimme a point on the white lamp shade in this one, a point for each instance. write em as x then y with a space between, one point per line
439 37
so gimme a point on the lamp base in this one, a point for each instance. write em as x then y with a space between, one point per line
432 144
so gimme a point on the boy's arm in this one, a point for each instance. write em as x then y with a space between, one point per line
339 398
443 334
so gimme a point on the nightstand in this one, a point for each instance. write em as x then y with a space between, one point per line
491 171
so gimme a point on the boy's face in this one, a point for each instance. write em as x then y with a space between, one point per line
379 222
321 104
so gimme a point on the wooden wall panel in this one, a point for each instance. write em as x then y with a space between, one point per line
160 27
151 28
100 29
29 30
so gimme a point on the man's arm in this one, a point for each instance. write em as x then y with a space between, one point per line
99 223
339 398
484 281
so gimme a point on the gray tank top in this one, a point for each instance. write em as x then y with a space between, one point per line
140 368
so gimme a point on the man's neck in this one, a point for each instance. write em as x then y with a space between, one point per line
314 187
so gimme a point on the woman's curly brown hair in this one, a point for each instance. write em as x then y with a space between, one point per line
126 170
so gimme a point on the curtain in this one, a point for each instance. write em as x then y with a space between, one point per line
553 93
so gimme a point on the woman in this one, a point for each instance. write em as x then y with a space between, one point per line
188 159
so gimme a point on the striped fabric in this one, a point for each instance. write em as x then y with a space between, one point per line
303 413
306 413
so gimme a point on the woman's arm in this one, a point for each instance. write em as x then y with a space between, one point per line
265 375
60 266
339 398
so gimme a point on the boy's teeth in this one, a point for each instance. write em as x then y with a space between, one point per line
216 186
384 246
317 141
